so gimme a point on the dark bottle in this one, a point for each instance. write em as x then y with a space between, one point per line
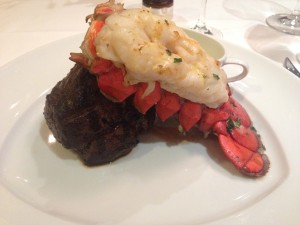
160 7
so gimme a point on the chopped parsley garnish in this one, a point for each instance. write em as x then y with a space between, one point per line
216 76
177 60
231 124
168 52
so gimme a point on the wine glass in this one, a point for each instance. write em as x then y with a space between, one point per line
201 22
287 23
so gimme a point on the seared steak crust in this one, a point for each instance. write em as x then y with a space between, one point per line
82 119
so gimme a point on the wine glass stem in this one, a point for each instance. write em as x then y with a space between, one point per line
201 23
296 11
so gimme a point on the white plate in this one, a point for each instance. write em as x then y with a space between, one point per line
159 183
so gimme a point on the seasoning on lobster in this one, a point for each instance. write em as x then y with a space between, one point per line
135 53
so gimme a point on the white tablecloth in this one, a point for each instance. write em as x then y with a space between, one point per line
28 24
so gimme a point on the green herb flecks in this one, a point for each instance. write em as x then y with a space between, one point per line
216 76
253 129
204 75
169 53
177 60
167 22
231 124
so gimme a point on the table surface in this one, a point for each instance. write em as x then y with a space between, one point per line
28 24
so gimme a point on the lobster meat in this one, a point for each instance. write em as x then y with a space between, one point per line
165 69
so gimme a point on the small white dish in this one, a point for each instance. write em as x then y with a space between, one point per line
215 48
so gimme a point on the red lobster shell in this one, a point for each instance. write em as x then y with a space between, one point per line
229 122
